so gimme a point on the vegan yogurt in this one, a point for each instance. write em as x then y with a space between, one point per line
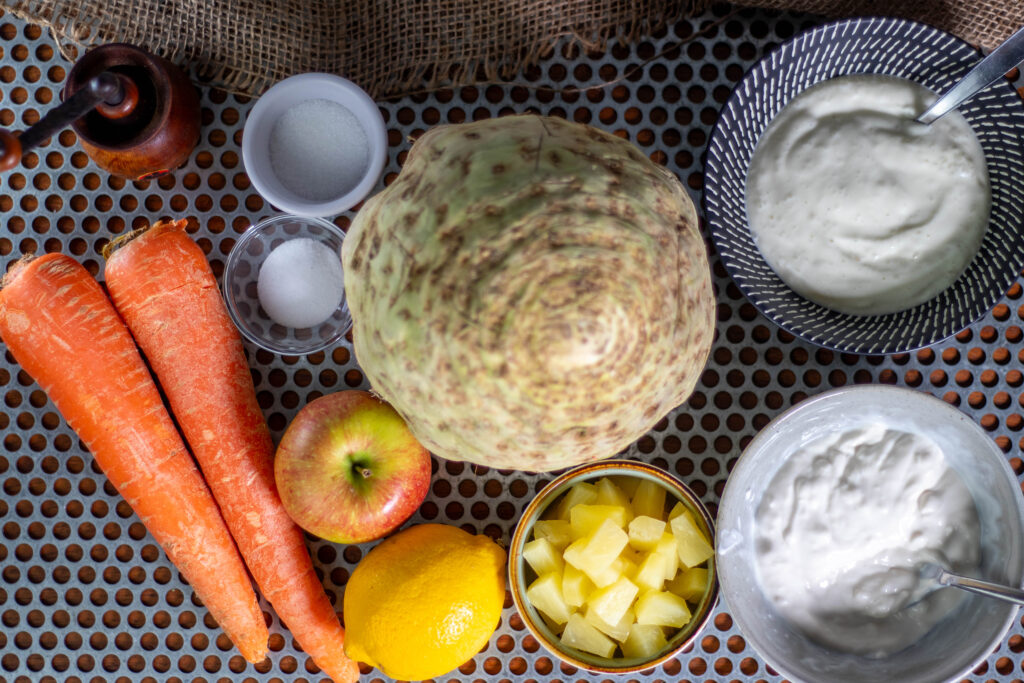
859 208
843 528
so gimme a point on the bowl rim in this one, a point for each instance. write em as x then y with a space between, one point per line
621 467
810 35
298 87
232 262
837 394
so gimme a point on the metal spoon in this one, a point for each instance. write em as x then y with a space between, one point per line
987 72
943 577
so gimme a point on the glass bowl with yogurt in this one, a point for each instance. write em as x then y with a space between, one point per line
828 516
843 220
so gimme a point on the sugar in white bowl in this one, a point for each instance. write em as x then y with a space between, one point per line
318 149
301 283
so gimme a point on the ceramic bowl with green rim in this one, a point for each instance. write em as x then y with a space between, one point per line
522 575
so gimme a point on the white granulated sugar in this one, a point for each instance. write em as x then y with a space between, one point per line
301 284
318 150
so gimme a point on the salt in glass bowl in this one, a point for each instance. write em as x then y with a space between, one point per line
241 275
964 637
892 47
521 574
279 99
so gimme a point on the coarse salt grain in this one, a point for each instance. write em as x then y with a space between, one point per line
319 150
301 284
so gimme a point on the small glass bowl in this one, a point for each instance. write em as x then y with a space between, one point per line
521 574
241 273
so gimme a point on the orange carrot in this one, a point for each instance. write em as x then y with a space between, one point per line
162 285
62 330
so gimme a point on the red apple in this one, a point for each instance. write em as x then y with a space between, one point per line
349 470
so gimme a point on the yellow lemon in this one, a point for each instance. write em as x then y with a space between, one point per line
424 601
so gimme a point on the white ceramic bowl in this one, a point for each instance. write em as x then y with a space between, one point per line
967 635
279 99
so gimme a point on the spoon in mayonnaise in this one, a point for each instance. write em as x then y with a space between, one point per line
987 72
934 576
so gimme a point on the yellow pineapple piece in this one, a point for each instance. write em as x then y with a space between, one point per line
693 546
625 566
545 594
596 552
550 623
643 642
610 494
557 531
650 575
619 631
649 500
580 494
689 584
626 484
612 601
575 586
676 510
645 532
585 519
660 608
543 557
583 636
667 550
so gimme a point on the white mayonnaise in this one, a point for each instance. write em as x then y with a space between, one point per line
859 208
843 527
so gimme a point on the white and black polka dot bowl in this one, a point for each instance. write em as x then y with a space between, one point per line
893 47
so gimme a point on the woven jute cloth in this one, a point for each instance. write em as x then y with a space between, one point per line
393 47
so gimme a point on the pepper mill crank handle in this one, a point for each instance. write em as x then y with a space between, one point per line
114 96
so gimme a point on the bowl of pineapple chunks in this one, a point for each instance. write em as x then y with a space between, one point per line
612 566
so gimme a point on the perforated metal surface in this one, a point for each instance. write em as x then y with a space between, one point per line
85 594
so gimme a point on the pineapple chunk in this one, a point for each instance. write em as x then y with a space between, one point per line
619 631
667 549
632 555
662 609
552 626
627 485
585 519
645 532
612 601
596 552
580 494
557 531
690 584
693 546
676 510
649 499
624 566
610 494
650 576
575 586
545 594
583 636
543 557
643 642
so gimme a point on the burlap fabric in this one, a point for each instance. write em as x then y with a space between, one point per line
391 47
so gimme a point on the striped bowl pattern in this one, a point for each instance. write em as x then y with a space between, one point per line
894 47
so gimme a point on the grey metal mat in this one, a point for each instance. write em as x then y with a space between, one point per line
85 594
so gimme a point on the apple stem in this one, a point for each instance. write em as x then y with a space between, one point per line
366 473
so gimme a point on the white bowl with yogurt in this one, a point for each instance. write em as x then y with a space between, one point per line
924 244
828 512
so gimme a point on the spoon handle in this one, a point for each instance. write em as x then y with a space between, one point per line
992 590
988 71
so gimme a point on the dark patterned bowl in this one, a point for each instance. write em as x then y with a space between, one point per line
894 47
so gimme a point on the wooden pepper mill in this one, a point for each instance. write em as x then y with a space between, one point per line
136 114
